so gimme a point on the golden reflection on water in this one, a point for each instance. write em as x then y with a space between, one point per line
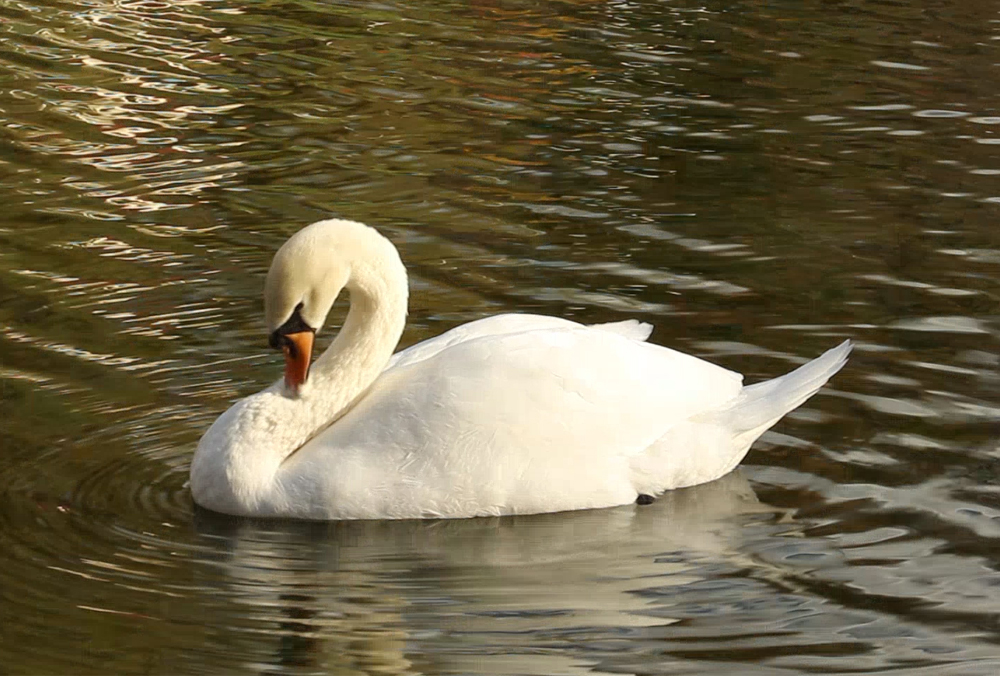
758 182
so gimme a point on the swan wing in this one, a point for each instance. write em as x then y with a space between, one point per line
525 421
509 323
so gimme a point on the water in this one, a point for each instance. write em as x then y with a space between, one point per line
758 180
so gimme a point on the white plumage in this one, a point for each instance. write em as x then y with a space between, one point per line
508 414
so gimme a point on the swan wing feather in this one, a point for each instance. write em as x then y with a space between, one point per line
510 323
509 422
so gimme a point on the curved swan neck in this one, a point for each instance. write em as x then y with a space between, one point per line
378 290
367 339
239 456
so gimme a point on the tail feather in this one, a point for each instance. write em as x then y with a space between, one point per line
709 445
759 406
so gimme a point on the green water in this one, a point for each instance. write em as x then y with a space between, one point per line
759 180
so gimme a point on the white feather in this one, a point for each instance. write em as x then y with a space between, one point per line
508 414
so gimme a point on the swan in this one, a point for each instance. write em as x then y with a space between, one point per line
511 414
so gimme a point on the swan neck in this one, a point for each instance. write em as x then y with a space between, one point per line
240 456
365 343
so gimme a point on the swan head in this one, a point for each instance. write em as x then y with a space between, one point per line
307 274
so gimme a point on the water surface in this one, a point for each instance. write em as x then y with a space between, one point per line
760 181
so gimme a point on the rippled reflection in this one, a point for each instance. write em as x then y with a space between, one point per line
496 579
759 182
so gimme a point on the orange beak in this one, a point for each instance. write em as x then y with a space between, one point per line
298 349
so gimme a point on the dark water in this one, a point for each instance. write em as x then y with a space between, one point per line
760 180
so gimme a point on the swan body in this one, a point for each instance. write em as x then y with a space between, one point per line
511 414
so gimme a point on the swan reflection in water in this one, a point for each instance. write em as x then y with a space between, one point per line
356 594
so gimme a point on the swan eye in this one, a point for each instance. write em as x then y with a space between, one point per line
294 324
289 347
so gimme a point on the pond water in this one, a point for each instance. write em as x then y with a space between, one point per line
759 180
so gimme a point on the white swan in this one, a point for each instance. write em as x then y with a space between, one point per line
511 414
